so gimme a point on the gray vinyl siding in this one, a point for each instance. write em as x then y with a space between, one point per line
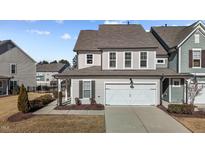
166 95
82 59
162 65
173 60
135 59
189 45
177 93
26 68
100 88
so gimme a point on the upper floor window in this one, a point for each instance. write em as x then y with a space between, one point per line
160 61
176 82
143 59
197 38
86 89
112 59
13 68
40 78
89 59
196 54
128 59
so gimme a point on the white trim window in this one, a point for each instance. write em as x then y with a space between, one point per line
197 38
128 60
112 59
196 58
86 89
13 68
176 83
89 59
160 61
143 59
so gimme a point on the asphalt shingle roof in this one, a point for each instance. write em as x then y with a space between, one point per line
97 71
55 67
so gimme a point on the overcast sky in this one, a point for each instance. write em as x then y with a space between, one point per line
50 40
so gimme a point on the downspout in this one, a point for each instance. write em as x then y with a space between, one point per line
161 86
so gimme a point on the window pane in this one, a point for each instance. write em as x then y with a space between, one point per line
160 61
143 64
127 63
1 84
86 85
112 59
86 93
89 59
13 69
196 63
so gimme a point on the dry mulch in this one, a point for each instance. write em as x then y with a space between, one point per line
19 117
195 114
81 107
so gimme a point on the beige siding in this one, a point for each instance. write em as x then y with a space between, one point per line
26 68
100 88
136 60
82 59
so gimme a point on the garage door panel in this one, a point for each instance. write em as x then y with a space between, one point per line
200 98
122 94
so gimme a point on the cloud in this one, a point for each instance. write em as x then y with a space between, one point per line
39 32
75 38
66 36
147 30
115 22
174 25
59 21
188 24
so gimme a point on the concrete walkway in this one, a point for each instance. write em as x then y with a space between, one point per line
49 110
140 119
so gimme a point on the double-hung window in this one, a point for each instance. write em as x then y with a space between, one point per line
128 59
112 60
196 54
89 59
13 68
143 59
86 89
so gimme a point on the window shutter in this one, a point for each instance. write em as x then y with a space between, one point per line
190 58
203 58
93 89
80 89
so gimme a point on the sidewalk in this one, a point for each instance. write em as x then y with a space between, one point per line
49 110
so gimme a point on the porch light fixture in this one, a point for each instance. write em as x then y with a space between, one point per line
131 83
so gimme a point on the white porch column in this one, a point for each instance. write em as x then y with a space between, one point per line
59 85
66 89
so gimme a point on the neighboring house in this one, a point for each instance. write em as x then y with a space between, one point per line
16 68
45 72
125 65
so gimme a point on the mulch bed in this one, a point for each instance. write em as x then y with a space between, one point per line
81 107
19 117
195 114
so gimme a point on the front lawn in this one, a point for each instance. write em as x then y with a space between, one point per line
46 123
195 124
56 124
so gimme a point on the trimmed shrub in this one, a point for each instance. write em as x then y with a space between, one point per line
77 101
55 94
23 102
40 102
181 108
92 101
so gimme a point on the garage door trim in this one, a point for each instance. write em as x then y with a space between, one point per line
136 82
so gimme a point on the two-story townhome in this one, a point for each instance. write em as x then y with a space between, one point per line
185 46
123 65
45 72
16 68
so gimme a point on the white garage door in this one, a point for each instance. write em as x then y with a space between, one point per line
122 94
200 98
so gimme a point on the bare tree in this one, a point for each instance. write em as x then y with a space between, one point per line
193 89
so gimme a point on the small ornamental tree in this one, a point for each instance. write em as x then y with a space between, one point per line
23 102
193 89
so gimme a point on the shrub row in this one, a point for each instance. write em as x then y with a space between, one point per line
40 102
181 108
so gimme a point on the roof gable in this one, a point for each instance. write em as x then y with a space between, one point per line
55 67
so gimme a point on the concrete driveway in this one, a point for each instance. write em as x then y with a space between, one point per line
140 119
